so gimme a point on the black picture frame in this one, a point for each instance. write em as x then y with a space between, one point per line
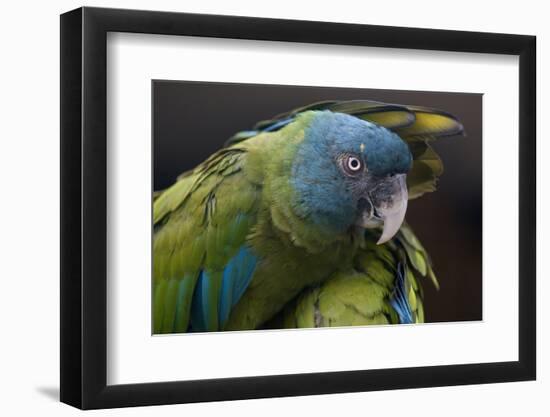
84 223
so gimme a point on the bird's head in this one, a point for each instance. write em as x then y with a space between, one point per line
349 172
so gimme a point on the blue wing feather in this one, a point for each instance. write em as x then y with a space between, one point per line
272 127
399 300
236 277
199 310
226 296
247 264
277 125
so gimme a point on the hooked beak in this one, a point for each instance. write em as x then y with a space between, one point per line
386 206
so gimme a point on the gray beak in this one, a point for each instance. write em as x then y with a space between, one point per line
386 207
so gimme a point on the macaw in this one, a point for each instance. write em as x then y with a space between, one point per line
300 222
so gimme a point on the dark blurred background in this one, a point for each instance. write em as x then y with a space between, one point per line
191 120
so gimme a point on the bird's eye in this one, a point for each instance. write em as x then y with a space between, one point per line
352 165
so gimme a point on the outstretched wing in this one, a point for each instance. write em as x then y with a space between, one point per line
382 287
202 263
414 124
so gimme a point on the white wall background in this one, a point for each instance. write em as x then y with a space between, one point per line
29 237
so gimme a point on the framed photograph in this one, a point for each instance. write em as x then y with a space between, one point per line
257 208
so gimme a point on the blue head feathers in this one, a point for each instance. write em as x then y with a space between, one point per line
341 160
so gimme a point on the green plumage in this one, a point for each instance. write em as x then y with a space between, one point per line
359 295
302 276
